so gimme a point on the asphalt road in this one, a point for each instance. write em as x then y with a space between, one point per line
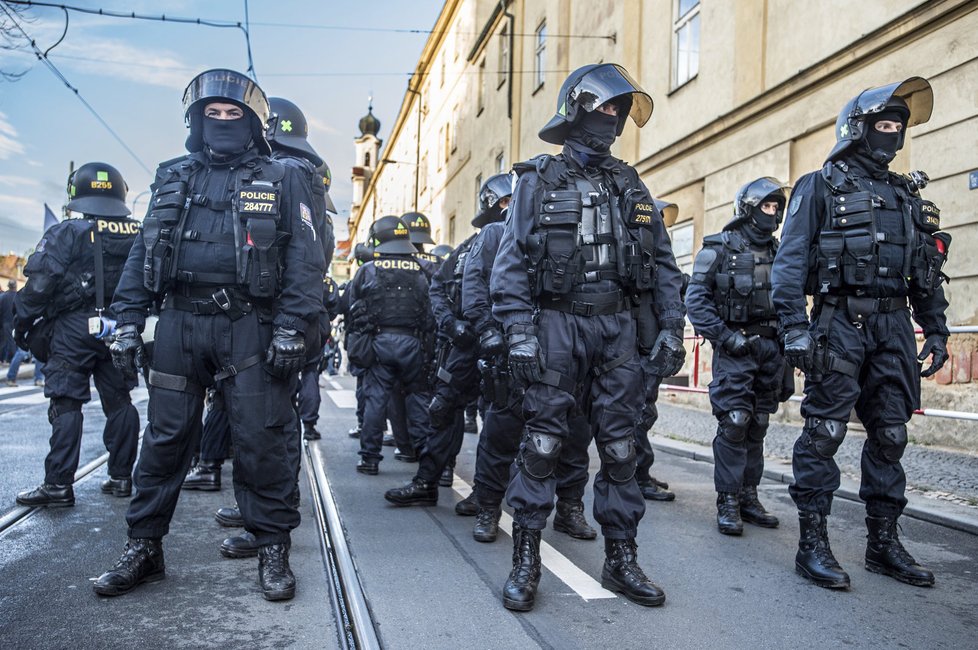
430 585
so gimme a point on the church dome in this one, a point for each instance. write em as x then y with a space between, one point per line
369 124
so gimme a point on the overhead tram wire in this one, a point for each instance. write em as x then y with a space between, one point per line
54 70
213 22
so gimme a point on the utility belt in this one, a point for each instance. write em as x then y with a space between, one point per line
394 329
858 308
207 301
586 304
767 330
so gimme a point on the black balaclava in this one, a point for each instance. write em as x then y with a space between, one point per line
883 147
592 135
227 137
760 225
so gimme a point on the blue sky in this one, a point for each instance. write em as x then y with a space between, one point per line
134 72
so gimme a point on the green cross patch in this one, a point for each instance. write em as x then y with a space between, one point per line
102 176
287 125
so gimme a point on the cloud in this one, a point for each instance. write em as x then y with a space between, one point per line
123 61
9 145
320 126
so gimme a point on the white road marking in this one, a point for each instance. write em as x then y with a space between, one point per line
343 399
586 587
335 384
25 400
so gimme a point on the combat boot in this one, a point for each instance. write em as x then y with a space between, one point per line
622 574
471 424
467 507
141 561
447 477
48 495
814 560
274 574
309 431
728 514
486 527
117 487
520 589
203 476
753 512
243 545
354 432
229 517
371 467
653 491
885 554
570 519
416 493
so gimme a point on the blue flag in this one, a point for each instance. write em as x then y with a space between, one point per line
49 218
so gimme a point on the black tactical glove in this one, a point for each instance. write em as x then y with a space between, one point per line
286 353
525 356
462 336
935 344
359 317
440 412
127 350
21 330
668 354
736 344
799 349
491 343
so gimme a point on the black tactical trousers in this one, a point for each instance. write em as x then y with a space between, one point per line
309 398
399 360
884 393
216 436
643 448
749 383
462 387
499 441
397 416
75 358
261 415
359 372
573 346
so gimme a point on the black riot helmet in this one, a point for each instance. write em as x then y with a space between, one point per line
442 251
495 189
390 235
287 130
97 189
590 86
362 253
419 226
668 210
323 171
747 204
222 85
912 99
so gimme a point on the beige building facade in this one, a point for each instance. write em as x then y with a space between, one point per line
742 89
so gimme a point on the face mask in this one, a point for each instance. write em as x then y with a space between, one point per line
883 146
227 137
766 223
596 130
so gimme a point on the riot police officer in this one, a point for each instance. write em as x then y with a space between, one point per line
861 240
729 303
582 243
389 339
230 250
70 276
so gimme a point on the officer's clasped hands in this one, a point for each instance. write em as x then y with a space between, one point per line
286 353
936 345
525 357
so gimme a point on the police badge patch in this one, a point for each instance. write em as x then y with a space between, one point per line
794 205
40 245
306 215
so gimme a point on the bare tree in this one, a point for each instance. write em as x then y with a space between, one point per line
12 38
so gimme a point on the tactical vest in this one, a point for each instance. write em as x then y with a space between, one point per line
399 295
453 288
589 229
876 232
106 243
742 280
254 202
322 224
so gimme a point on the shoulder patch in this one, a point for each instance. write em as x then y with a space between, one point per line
306 215
41 245
704 261
794 205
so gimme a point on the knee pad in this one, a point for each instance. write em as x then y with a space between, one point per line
734 425
539 454
758 427
619 460
892 441
112 402
61 405
825 435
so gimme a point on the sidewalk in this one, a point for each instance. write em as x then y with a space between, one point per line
942 485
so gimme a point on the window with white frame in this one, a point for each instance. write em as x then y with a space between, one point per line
540 56
682 245
503 63
686 42
482 87
451 230
478 188
501 163
453 129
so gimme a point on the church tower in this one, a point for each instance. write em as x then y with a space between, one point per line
367 154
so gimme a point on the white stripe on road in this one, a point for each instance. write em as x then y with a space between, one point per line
343 399
586 587
25 400
335 384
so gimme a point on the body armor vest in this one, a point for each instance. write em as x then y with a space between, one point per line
589 230
878 238
252 200
742 291
453 289
399 294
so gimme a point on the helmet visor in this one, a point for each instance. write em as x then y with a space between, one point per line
216 85
606 82
754 193
669 211
915 91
